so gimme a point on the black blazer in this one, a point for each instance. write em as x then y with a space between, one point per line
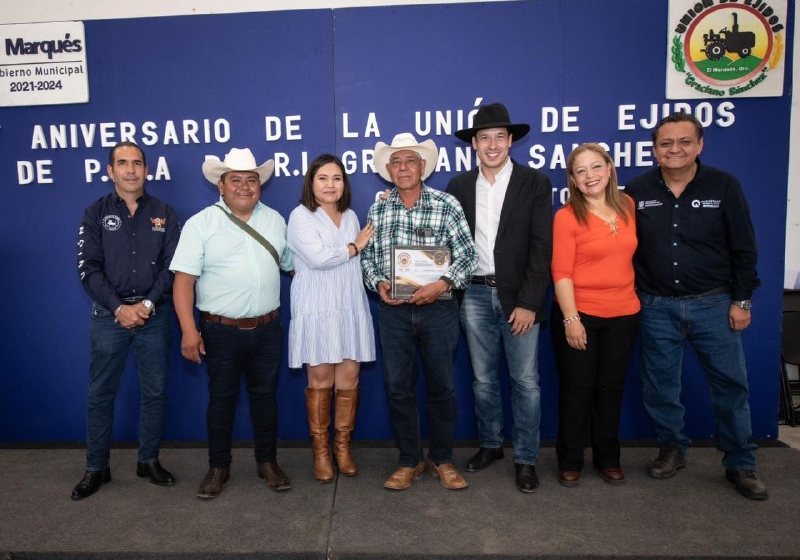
524 244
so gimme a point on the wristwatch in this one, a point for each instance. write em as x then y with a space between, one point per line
745 304
148 305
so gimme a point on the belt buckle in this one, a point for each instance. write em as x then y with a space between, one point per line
240 323
490 280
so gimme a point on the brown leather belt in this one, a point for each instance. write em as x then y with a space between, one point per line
243 323
488 280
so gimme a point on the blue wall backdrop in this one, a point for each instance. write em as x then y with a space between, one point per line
290 85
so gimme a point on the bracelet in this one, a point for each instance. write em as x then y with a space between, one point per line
355 247
569 320
117 310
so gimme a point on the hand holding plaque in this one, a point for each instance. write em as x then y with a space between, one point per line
414 266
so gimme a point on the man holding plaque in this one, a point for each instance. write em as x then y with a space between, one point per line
422 248
509 210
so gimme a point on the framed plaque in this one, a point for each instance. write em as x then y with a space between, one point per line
414 266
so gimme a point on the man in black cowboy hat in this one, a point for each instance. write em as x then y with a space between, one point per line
509 210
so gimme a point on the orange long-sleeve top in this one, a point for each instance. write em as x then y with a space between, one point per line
599 263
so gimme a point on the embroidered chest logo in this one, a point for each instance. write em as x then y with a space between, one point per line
709 203
158 224
648 204
112 222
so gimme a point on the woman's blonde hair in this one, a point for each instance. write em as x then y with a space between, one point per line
614 198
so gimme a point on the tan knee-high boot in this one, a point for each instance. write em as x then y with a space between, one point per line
345 421
318 408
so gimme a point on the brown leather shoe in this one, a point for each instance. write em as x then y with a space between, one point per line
570 479
213 482
403 476
614 476
448 475
275 477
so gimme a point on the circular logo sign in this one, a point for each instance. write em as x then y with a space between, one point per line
728 45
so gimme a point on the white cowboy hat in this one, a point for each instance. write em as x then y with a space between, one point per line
236 160
405 141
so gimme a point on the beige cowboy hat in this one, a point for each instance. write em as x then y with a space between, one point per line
405 141
236 160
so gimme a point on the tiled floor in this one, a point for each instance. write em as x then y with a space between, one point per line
790 435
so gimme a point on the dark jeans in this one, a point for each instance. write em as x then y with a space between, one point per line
591 384
109 345
667 324
433 329
230 353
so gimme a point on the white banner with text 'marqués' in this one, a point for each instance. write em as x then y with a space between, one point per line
726 48
43 64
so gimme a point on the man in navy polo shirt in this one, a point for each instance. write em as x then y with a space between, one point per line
695 272
125 245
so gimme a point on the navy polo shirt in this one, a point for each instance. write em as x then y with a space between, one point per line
697 242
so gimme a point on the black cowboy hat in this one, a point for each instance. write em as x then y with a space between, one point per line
494 115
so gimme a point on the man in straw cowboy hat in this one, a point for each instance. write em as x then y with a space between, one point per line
509 210
231 254
416 215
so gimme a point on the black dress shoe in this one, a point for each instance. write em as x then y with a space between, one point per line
90 483
526 479
483 458
156 473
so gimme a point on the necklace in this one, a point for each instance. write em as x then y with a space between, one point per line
612 225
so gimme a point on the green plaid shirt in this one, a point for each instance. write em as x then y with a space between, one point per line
436 219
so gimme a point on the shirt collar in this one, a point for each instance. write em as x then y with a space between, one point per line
424 199
503 174
119 199
227 209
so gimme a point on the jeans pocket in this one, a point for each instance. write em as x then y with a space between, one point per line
450 303
646 300
717 300
99 311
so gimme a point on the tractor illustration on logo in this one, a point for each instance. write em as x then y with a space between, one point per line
740 42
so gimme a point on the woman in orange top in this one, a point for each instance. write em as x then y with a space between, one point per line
596 319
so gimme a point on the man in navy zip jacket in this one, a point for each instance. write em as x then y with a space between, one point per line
125 245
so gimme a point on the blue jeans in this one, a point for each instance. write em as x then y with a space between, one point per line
485 326
109 345
433 329
230 353
665 324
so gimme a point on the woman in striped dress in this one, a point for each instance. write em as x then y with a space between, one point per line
331 328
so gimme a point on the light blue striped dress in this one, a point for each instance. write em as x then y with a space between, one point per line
331 320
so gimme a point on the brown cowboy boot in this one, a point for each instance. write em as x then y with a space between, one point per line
318 407
344 422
